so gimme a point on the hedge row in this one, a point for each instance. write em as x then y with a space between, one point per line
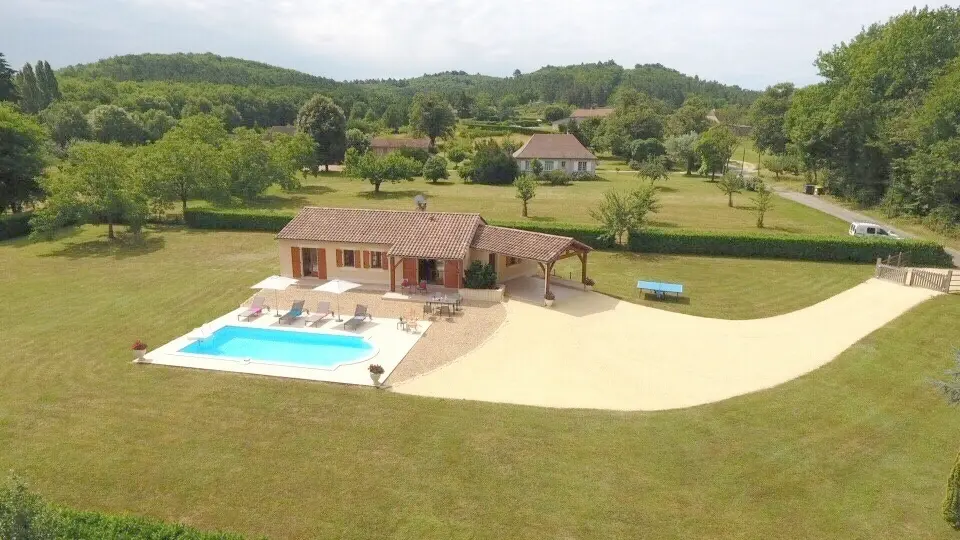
95 526
684 242
782 246
14 225
238 220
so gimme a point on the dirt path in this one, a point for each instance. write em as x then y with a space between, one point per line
593 351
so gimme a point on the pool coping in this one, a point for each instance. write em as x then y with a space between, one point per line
392 345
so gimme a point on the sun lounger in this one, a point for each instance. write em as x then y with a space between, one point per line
323 309
359 315
255 309
296 310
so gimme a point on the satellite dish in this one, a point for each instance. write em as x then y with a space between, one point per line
421 202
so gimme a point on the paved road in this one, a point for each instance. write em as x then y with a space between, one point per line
849 215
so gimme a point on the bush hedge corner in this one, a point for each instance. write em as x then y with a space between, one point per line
14 225
237 220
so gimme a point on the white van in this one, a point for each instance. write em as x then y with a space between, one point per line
870 229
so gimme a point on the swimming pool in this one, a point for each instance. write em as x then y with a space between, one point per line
284 347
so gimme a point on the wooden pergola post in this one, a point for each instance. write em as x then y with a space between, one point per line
393 273
546 277
583 269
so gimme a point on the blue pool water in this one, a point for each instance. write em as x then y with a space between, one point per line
306 349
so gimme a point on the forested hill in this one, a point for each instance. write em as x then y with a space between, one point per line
194 68
581 85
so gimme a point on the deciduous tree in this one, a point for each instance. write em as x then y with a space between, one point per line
536 167
31 100
767 117
66 122
358 140
432 116
621 212
182 166
22 158
716 148
97 184
393 117
109 123
683 149
435 168
763 201
293 153
323 120
729 184
250 166
391 167
652 169
526 190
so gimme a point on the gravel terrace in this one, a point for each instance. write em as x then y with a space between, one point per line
447 339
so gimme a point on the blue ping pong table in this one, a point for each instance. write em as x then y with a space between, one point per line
660 290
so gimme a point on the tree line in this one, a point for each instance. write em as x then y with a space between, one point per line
882 128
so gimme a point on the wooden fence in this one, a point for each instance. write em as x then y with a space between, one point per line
914 277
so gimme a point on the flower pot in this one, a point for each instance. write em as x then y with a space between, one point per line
548 302
375 377
138 354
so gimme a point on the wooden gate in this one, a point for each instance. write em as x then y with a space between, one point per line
891 273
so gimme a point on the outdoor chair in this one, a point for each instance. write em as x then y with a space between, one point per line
359 315
323 309
422 286
296 310
255 309
405 285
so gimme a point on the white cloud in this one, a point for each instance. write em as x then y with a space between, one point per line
748 42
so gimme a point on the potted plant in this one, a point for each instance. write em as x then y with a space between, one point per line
548 298
139 349
376 371
588 284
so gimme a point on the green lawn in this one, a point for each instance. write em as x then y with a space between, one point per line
746 151
724 288
686 202
858 449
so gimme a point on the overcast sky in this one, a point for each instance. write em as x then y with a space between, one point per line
752 43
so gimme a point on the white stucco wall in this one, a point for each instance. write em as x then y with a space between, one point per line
569 165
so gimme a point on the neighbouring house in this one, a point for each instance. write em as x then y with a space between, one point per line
582 114
385 145
384 247
556 151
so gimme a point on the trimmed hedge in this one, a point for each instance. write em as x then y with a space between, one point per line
681 242
95 526
783 246
244 220
14 225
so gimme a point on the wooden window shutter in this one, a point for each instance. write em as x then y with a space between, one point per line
357 259
296 265
366 259
384 261
339 258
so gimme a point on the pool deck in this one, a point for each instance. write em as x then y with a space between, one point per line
392 342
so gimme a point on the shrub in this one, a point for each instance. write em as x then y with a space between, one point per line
14 225
552 113
491 165
376 369
435 168
237 220
944 220
457 154
480 276
420 155
782 246
558 177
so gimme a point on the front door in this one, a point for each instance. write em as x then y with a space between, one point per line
493 261
296 267
410 270
321 263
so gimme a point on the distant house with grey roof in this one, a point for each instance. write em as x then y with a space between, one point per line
556 152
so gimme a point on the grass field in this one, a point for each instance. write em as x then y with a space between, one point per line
858 449
724 288
687 202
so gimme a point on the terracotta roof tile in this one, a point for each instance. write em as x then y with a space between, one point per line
524 244
553 146
436 235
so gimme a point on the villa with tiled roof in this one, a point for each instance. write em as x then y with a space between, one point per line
384 247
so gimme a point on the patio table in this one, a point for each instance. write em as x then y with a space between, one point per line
449 301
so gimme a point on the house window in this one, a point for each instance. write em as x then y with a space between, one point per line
581 166
376 259
524 165
349 258
548 165
513 260
563 165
